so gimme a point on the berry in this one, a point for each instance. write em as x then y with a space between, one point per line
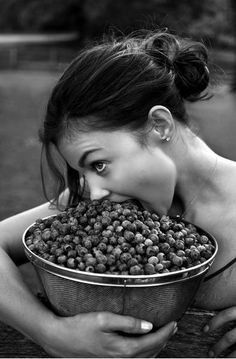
128 235
135 270
153 260
125 257
62 259
149 268
138 238
177 261
100 268
118 238
91 261
71 263
101 258
159 267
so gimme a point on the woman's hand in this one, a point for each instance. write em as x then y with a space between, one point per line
229 338
104 334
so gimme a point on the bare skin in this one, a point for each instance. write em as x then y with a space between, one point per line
203 183
204 188
86 335
167 177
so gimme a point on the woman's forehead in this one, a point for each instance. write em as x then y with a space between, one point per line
101 139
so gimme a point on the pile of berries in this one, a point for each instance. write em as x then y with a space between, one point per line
118 238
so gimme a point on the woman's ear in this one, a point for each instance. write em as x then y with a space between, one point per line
162 122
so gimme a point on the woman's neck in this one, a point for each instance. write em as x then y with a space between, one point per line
196 174
177 207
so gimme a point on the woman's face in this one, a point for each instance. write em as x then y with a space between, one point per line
116 166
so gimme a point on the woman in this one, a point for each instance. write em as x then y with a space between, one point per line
116 124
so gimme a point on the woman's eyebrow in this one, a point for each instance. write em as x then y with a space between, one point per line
82 160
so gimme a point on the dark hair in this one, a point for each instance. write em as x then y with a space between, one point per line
114 84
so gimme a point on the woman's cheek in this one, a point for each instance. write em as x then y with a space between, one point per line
120 181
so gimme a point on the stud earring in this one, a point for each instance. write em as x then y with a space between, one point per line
166 139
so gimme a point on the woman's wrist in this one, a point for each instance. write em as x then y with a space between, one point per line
52 334
46 326
44 333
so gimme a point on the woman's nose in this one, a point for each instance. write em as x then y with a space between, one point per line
93 188
96 188
98 193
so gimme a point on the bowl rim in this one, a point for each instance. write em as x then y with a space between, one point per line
119 279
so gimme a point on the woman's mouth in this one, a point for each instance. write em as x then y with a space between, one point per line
121 199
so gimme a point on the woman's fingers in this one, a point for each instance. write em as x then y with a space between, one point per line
220 319
154 342
224 343
113 322
149 344
232 355
229 338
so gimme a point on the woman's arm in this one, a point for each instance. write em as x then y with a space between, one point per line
12 229
229 339
18 306
91 334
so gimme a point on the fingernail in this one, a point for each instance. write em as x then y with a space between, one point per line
175 330
211 354
146 325
174 325
206 328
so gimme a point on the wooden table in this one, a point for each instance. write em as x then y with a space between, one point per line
188 342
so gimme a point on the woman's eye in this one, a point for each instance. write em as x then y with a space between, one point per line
99 166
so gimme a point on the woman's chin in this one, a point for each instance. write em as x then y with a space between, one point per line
160 210
147 206
120 199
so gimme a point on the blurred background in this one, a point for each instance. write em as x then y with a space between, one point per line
38 38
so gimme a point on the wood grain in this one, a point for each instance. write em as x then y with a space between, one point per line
189 341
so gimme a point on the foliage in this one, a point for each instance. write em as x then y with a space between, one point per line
40 15
210 20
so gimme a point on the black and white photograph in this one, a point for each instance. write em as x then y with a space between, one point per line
118 179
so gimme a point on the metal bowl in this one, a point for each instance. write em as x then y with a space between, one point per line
158 298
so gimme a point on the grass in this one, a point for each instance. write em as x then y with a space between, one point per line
23 97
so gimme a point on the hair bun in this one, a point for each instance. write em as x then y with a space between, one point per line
187 60
191 71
